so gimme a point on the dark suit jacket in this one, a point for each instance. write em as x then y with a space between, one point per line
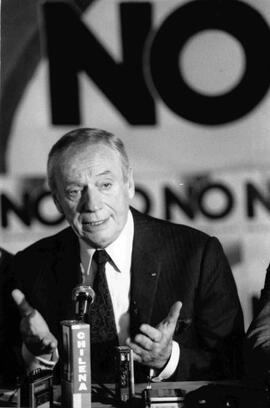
257 344
170 262
5 259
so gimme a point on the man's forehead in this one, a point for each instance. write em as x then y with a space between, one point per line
80 169
97 165
90 153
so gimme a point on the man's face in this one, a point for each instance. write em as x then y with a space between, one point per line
93 194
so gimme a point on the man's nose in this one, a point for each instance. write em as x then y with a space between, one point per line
91 200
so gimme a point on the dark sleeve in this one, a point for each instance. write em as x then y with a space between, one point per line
211 346
257 344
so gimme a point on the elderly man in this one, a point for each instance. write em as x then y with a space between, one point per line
153 269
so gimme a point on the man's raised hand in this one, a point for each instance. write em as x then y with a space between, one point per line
153 345
34 330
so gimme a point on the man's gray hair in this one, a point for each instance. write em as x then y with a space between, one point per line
80 137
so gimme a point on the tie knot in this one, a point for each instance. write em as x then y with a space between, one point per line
101 256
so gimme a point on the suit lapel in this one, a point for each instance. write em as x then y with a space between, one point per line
145 269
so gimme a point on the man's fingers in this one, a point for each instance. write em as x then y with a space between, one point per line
156 333
24 307
138 352
153 333
49 341
144 341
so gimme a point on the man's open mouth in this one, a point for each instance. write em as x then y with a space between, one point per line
94 223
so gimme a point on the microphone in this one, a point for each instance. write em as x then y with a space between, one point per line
83 296
76 373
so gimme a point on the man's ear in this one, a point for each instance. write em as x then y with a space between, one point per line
131 184
57 204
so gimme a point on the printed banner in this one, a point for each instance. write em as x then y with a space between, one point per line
185 84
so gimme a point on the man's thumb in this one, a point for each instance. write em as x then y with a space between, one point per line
24 307
174 313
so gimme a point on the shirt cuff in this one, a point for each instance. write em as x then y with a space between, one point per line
170 367
44 362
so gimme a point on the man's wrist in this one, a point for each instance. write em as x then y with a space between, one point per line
170 367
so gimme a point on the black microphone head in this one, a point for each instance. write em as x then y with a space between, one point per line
85 291
83 296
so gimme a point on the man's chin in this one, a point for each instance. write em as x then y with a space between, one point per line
96 240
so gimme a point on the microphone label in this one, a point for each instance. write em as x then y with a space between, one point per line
76 381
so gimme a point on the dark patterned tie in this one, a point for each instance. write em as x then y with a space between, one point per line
102 324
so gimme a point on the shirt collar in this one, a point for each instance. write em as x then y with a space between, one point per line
120 250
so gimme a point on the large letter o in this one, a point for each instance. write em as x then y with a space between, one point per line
238 19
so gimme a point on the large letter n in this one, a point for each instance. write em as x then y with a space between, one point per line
72 47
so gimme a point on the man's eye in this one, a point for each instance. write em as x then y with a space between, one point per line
73 193
106 186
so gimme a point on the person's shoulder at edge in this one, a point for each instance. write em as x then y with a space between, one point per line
49 243
144 219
